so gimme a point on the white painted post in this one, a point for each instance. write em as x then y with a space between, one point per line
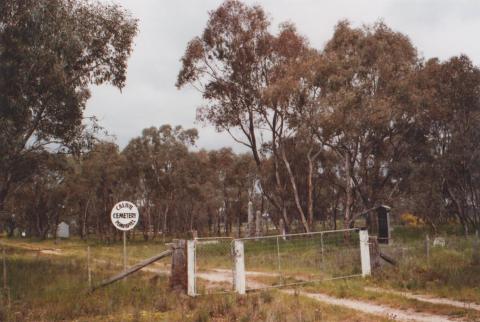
191 279
239 273
365 253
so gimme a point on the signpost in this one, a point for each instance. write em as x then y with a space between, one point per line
124 216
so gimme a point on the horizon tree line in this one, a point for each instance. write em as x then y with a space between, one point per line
331 132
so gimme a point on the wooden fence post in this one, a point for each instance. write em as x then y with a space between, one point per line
475 250
89 268
4 260
178 278
6 290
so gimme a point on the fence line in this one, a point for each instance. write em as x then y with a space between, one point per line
250 263
297 234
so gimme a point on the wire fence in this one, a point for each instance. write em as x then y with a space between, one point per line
213 265
424 251
282 260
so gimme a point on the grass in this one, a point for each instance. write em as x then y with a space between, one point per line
53 288
355 289
111 253
296 255
449 271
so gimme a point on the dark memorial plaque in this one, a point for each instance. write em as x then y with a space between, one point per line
383 225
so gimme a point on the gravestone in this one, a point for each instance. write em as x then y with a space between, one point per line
63 230
439 242
258 223
282 228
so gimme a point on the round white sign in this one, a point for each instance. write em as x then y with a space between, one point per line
124 215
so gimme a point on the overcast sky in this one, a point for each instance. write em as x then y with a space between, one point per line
437 28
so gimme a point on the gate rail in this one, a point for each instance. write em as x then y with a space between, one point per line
279 260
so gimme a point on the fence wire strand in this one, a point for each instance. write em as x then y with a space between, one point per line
301 258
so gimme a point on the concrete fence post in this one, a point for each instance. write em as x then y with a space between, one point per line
191 279
239 272
365 253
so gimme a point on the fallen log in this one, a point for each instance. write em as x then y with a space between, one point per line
132 270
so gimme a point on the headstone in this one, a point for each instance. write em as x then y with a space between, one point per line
258 223
193 234
266 223
439 242
282 228
63 230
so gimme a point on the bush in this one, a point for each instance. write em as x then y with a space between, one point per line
410 220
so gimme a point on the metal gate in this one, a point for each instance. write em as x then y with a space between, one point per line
224 264
213 265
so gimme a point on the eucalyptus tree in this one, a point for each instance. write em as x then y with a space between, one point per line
40 203
369 109
102 177
450 95
154 162
232 64
51 52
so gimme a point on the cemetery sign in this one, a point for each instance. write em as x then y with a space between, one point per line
124 215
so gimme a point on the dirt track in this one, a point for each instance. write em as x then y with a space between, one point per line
225 276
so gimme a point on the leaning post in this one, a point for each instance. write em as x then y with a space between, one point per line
365 253
239 273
